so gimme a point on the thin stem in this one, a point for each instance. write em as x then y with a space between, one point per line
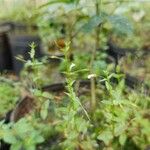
70 35
93 94
97 41
98 27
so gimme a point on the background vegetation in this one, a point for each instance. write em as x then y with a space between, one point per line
94 108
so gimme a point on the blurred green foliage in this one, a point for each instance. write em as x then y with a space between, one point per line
8 97
121 117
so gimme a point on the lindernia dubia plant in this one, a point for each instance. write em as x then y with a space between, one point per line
70 80
76 120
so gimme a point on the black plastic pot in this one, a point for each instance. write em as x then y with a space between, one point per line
117 52
17 27
5 53
8 25
20 46
59 87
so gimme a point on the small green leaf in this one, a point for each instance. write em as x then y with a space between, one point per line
120 24
106 102
47 95
39 139
32 52
31 147
108 86
72 66
108 116
122 139
16 146
119 128
9 137
44 109
92 23
106 137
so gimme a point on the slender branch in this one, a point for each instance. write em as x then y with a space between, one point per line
97 41
98 27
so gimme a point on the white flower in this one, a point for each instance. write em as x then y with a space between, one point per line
91 76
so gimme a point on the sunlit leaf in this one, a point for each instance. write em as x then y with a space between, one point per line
120 128
108 86
122 139
106 137
44 109
9 137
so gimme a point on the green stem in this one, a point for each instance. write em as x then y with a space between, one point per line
97 41
93 93
98 27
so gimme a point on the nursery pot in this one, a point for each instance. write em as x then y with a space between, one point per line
20 46
5 53
18 27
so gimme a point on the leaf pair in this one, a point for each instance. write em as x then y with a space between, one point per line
119 23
